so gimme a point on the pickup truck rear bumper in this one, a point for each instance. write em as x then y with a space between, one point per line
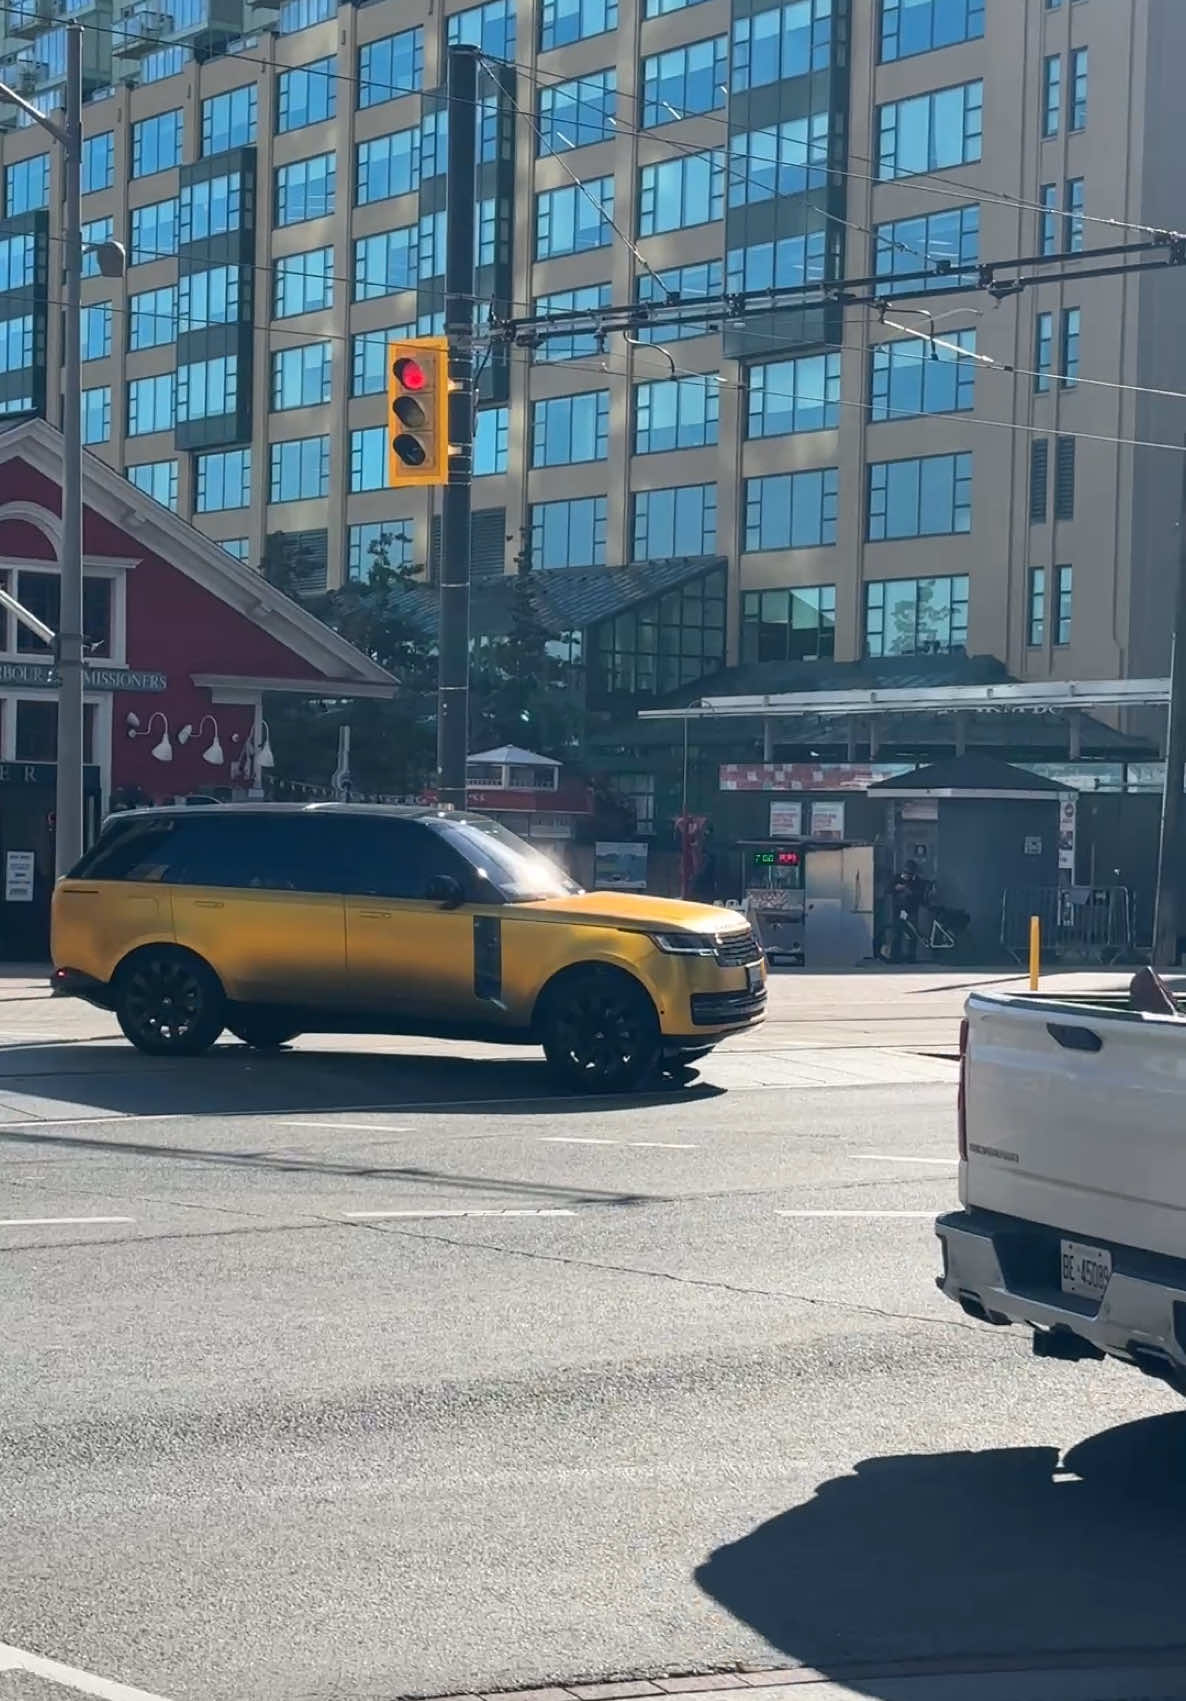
1003 1270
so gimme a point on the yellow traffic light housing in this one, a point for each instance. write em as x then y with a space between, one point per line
418 412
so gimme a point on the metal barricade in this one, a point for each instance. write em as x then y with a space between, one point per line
1080 924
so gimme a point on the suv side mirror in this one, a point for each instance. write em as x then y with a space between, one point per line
446 890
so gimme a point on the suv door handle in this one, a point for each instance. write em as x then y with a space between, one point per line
374 915
208 903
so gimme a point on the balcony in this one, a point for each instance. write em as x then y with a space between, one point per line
27 75
141 30
206 25
28 17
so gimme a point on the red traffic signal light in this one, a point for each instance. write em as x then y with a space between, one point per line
418 412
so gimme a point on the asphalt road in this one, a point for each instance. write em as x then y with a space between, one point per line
352 1373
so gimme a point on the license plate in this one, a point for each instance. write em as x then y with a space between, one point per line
1085 1270
753 977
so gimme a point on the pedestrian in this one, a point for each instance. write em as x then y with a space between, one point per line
907 895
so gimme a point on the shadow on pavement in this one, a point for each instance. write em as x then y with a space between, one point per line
109 1077
951 1556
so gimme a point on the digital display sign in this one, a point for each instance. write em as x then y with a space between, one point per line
776 859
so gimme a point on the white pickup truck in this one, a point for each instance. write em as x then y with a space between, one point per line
1072 1131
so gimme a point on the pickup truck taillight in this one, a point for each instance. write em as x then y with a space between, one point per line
962 1099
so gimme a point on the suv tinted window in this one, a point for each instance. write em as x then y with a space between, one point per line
256 852
129 850
378 858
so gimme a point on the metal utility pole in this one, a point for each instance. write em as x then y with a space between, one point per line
69 635
461 92
1168 912
70 718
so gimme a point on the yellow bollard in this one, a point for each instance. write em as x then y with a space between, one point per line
1035 952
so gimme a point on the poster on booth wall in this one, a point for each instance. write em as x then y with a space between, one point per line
620 865
786 820
19 874
827 820
1068 817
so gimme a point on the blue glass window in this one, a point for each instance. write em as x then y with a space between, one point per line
786 159
679 193
577 113
156 143
150 404
789 261
791 510
930 131
209 297
207 389
684 80
920 26
368 458
701 278
306 95
96 333
228 120
492 430
947 243
390 67
569 534
565 21
571 345
678 520
299 469
926 496
222 480
781 41
98 162
154 231
301 376
211 207
157 479
910 377
386 262
794 395
575 218
303 283
368 372
387 166
568 429
676 413
305 189
916 617
490 27
96 414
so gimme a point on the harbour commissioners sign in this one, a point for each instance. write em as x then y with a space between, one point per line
44 676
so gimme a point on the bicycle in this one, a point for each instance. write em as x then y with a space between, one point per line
942 935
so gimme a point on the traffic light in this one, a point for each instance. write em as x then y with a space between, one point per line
418 412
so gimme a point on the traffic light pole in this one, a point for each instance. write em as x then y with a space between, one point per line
461 94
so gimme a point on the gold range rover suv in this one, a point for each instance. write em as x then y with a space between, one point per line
273 920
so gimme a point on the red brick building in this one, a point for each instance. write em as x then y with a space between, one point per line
183 642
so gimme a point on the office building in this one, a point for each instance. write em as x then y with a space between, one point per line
801 483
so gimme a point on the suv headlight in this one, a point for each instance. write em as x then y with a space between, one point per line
685 944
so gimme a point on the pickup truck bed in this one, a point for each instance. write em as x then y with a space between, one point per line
1073 1178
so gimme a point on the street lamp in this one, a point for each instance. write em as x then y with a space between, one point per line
69 636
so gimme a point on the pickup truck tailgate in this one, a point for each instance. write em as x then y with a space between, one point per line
1076 1117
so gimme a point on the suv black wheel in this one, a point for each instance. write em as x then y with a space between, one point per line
600 1032
262 1030
169 1003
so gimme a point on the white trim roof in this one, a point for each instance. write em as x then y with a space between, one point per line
182 546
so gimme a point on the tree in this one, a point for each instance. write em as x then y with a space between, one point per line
522 692
393 741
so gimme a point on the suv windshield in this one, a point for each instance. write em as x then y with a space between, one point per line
515 867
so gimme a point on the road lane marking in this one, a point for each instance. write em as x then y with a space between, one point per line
82 1682
929 1216
584 1140
892 1158
574 1140
493 1211
51 1222
344 1127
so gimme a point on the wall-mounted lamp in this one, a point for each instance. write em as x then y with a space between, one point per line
162 749
213 754
265 758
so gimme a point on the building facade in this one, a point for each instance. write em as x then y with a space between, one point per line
276 173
